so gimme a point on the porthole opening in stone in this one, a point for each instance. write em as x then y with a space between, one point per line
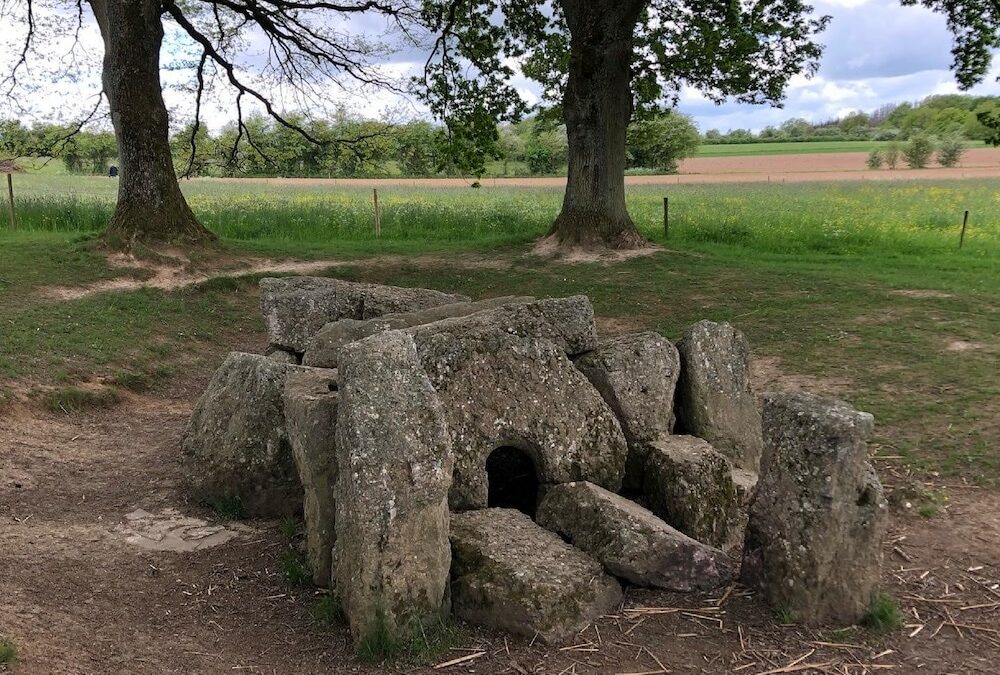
513 480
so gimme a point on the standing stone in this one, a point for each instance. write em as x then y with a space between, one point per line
236 450
690 485
814 540
511 574
636 374
395 459
296 308
324 347
311 419
630 541
715 399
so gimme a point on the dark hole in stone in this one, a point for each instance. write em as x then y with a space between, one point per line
333 385
513 481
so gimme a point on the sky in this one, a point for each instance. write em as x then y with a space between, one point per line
876 52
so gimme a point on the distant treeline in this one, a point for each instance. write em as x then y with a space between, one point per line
354 147
941 116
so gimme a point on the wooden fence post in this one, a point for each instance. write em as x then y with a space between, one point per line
378 214
965 222
10 202
666 217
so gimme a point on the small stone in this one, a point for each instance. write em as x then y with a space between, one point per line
395 458
310 400
296 308
818 520
236 448
511 574
282 356
715 398
629 541
324 347
690 485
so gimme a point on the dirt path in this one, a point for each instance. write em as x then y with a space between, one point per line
817 167
92 581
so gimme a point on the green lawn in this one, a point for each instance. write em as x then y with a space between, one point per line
858 286
794 148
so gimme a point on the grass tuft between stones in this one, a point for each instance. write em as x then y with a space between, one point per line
416 642
295 567
883 615
8 653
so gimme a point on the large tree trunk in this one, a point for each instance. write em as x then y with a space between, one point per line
597 105
150 205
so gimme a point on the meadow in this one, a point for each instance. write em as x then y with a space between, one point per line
902 218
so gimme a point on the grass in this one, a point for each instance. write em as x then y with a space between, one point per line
72 399
8 653
295 567
416 642
852 283
883 615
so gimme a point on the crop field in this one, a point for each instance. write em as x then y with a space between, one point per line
794 148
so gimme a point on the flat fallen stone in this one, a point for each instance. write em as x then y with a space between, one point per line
690 485
715 398
324 347
566 322
395 458
310 400
511 574
818 521
629 541
236 450
296 308
636 374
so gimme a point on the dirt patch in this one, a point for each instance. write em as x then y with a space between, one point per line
964 346
78 595
922 293
768 375
169 276
549 248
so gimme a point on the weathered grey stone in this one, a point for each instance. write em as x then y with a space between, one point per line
511 574
503 390
282 356
636 374
310 399
715 399
323 348
295 308
690 485
629 540
566 322
395 458
814 540
236 448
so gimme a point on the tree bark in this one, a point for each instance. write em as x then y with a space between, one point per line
150 207
597 106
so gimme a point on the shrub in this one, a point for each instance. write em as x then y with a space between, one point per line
950 150
891 154
8 653
875 159
918 151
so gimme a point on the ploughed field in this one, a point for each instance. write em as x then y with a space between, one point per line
853 289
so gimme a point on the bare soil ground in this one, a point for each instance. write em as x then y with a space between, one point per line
833 166
88 584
